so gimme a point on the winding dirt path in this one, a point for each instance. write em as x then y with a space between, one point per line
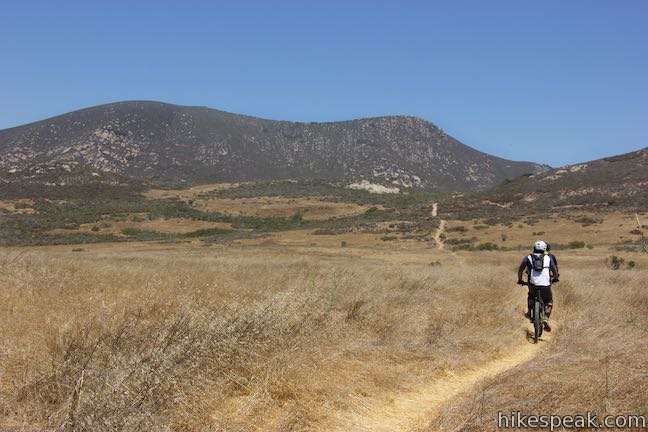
409 410
442 224
414 408
437 237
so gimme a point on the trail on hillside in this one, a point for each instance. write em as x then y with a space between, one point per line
412 409
438 236
442 224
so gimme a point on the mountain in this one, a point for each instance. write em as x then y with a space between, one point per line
617 182
158 141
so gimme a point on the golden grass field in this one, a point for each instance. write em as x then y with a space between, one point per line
311 208
294 332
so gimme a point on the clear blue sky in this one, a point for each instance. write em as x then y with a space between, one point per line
551 81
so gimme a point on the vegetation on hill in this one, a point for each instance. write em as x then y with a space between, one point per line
163 142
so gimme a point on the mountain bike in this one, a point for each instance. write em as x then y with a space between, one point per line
537 315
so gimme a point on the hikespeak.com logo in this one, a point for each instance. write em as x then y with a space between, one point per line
589 420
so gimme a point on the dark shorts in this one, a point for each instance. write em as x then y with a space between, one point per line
545 293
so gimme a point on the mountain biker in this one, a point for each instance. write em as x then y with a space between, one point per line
555 261
541 272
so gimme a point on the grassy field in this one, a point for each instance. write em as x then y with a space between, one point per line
286 334
216 308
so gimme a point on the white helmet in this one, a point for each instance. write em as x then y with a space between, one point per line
540 246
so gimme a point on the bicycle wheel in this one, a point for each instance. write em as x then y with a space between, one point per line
537 321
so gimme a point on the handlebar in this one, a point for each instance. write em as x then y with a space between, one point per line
554 280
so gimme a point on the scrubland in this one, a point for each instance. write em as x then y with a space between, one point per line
595 362
285 335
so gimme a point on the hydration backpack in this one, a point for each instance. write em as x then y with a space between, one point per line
537 261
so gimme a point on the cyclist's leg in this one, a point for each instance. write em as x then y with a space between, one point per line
531 299
547 298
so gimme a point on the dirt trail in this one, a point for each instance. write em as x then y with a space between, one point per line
442 224
438 237
409 410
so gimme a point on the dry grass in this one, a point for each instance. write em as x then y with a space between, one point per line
232 338
612 229
595 362
291 336
18 206
311 208
188 193
171 225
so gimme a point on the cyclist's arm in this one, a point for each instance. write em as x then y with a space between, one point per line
553 268
523 266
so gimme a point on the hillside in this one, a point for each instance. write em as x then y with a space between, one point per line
157 141
618 182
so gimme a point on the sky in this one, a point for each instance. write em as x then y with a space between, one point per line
555 82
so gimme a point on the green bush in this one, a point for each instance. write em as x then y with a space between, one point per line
461 229
129 231
616 263
486 246
576 244
206 232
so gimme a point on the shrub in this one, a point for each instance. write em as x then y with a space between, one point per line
461 229
615 262
487 246
324 231
576 244
206 232
587 221
459 241
128 231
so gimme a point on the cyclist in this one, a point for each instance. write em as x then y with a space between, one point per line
540 269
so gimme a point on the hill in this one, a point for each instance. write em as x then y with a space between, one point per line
163 142
618 182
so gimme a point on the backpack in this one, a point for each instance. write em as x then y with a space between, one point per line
537 261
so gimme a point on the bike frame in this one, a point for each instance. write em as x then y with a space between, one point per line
538 315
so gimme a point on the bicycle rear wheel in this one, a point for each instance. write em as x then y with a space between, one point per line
537 321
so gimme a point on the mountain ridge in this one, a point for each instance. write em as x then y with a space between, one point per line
159 141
